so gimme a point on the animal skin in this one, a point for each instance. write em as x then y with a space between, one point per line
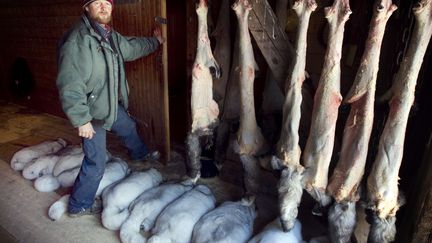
273 233
28 154
184 212
116 198
115 170
46 183
45 164
230 222
145 209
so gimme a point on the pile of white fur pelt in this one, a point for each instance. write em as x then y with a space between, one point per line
53 164
50 164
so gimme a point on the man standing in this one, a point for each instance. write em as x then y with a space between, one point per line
94 95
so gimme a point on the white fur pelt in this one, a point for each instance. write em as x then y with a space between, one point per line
58 208
41 166
68 162
67 178
45 164
115 170
28 154
145 209
342 221
231 222
116 198
290 192
273 233
46 183
176 222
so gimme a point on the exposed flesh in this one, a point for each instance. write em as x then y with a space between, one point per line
319 146
350 168
383 180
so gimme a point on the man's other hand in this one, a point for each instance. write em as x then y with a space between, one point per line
86 131
158 34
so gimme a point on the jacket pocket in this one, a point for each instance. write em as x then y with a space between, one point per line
94 94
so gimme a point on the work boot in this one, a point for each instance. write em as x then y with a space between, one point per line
152 156
145 162
96 208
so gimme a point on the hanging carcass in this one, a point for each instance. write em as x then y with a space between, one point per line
250 140
204 109
288 149
319 146
346 178
382 183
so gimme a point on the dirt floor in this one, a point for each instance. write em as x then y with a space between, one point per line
23 210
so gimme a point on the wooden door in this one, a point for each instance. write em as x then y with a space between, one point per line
147 77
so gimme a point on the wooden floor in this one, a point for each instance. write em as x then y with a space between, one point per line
23 210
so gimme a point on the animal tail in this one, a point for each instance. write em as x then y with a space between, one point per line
58 208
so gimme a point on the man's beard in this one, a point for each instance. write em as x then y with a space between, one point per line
101 19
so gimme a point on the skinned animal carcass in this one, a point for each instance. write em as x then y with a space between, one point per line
382 183
348 174
288 148
319 147
205 110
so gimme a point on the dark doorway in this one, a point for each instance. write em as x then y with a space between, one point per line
177 70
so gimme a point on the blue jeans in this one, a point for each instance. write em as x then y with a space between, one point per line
96 157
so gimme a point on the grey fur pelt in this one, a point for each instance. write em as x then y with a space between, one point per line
342 220
194 152
382 230
290 193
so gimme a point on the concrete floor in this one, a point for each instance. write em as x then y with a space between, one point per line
23 210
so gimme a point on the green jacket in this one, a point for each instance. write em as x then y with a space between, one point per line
91 75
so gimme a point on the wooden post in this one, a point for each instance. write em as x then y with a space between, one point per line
165 82
417 221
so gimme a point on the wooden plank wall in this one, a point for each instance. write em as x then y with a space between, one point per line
31 29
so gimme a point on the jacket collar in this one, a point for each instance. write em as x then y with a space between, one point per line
90 27
93 30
